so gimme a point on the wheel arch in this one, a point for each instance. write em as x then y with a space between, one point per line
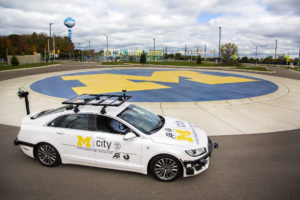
39 143
163 154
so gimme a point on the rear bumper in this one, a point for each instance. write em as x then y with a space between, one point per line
197 166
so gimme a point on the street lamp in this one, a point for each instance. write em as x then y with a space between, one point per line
49 43
275 52
220 42
154 48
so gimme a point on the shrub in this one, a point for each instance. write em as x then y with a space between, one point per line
143 58
14 60
199 60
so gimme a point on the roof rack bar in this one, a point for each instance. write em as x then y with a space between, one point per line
100 100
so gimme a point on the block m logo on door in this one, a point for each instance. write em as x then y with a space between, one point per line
84 141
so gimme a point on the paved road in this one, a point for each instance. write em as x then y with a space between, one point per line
67 66
264 166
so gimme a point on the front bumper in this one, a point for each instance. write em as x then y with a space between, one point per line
197 166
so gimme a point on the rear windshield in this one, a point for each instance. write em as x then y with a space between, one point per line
49 112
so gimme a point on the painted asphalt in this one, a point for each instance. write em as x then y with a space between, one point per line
256 166
276 111
155 85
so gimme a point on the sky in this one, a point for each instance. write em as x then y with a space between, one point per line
133 24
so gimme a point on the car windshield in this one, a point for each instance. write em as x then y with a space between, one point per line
142 119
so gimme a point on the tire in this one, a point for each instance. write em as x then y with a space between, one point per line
165 168
47 155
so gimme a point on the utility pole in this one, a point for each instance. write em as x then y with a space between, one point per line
154 48
256 56
185 50
54 47
106 48
299 58
275 52
8 61
205 52
89 51
220 43
48 50
49 47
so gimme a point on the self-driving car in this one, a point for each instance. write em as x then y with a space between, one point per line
109 132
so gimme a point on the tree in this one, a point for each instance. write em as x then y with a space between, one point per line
227 51
199 60
245 59
177 56
27 44
143 58
14 60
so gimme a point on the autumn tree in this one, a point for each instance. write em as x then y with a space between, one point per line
227 51
26 44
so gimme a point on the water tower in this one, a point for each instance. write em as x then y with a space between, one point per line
69 23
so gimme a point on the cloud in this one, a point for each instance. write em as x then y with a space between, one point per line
133 24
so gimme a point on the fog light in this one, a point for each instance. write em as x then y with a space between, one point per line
203 162
190 171
198 167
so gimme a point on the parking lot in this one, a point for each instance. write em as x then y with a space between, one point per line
246 166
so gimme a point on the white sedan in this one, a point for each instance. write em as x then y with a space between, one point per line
106 131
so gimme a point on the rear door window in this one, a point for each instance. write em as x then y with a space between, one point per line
75 121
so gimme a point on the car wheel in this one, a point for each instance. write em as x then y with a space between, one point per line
47 155
165 168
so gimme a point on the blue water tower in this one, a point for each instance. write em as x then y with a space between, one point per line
69 23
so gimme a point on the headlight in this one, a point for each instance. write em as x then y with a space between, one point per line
196 152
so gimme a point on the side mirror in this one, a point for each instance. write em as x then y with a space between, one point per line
129 136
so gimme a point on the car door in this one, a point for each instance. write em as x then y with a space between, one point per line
111 150
76 138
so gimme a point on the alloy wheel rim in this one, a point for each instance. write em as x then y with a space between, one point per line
46 154
166 168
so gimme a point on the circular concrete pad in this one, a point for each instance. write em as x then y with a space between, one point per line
156 85
276 111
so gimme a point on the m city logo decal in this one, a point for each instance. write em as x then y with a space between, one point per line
84 142
183 135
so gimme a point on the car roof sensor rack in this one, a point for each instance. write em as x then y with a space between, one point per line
98 100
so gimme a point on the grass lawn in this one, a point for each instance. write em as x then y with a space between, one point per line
9 67
114 63
253 68
172 63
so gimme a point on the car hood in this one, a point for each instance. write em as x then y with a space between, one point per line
180 133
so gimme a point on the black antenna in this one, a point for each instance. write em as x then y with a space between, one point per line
124 95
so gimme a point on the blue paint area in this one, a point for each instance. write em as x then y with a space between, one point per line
184 91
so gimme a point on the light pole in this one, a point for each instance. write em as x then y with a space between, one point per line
275 51
54 47
256 56
220 43
106 47
154 49
49 43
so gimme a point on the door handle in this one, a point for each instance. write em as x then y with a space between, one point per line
59 133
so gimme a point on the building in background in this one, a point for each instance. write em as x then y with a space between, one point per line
114 55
